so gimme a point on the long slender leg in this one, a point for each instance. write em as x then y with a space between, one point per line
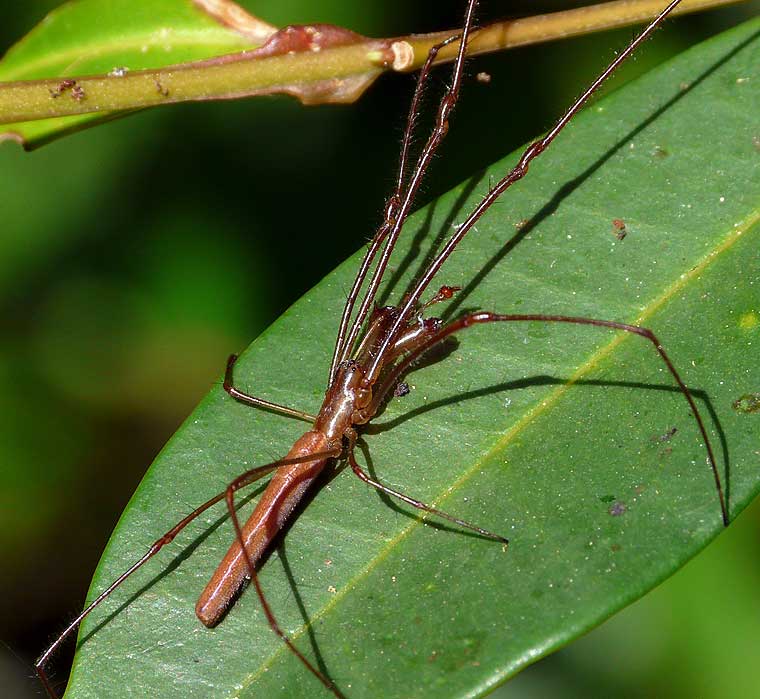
471 319
230 498
516 173
245 479
400 202
391 209
259 402
364 476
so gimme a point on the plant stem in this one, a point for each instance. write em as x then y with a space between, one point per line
334 74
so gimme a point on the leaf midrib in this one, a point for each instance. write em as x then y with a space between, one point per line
538 409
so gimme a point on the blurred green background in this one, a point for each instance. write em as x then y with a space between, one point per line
135 257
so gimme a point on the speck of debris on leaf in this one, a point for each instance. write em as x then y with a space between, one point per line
617 508
401 389
748 403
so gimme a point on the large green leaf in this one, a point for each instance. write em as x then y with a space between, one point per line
559 437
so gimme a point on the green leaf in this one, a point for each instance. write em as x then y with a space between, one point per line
86 37
559 437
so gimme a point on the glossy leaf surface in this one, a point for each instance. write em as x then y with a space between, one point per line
561 438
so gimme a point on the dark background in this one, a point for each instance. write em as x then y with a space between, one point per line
135 257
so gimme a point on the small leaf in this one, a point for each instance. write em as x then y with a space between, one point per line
570 440
86 37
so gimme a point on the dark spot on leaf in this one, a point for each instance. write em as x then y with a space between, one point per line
607 498
665 437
